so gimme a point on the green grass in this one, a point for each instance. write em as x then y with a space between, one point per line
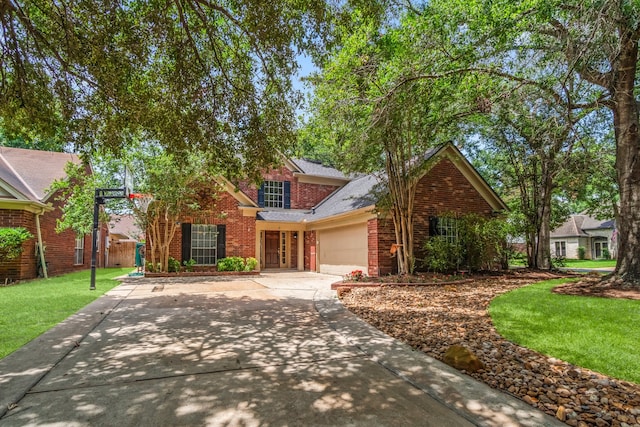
574 263
588 263
31 308
600 334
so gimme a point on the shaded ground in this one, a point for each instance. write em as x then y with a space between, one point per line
432 318
592 286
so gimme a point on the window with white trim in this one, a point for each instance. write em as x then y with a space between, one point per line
78 258
447 229
204 244
273 194
561 249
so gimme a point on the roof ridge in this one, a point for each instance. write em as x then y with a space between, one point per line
19 177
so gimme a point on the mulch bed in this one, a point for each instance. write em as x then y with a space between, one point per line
433 318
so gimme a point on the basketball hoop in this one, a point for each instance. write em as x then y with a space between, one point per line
142 201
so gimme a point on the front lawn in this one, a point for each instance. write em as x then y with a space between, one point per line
31 308
589 263
600 334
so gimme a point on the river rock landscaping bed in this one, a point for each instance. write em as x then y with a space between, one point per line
434 318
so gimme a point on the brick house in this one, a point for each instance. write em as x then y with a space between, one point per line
306 216
25 176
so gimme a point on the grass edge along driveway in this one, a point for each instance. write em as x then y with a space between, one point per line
600 334
31 308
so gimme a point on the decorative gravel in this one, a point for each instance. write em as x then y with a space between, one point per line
432 318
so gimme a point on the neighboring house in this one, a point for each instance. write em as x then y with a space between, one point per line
25 176
597 237
306 216
124 233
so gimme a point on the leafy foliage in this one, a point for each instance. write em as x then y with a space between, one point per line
234 263
173 266
186 74
250 264
11 241
480 244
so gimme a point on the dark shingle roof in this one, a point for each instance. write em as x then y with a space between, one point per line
282 215
31 172
309 167
355 195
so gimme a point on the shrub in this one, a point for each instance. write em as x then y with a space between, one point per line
188 265
581 252
234 263
479 244
11 240
173 265
606 254
251 264
442 255
558 261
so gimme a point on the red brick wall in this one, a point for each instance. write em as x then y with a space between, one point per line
240 230
381 236
443 189
59 247
303 195
23 267
309 240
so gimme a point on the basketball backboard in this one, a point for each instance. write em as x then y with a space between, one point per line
128 182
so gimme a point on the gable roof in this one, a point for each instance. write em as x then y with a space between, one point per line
580 225
27 174
358 193
310 167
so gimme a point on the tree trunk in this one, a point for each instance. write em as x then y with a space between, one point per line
625 117
543 238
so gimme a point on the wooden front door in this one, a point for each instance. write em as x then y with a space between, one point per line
271 249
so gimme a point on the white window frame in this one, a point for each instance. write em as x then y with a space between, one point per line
448 229
78 255
204 244
274 194
561 248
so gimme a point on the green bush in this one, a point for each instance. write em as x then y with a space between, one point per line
234 263
188 265
11 240
480 244
442 255
173 265
581 252
606 254
251 264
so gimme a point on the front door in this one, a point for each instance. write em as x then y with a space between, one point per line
271 249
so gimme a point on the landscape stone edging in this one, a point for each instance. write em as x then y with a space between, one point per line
350 285
203 274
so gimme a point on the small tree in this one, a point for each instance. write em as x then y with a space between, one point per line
180 187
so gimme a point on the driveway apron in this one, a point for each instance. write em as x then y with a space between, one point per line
273 350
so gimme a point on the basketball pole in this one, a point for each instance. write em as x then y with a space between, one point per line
100 197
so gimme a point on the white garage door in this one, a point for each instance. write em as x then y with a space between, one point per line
344 249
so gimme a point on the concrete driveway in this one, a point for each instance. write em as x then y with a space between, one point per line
273 350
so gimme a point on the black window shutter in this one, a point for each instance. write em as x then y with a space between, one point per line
287 195
186 241
222 242
261 196
433 226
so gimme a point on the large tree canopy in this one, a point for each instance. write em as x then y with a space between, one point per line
189 74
